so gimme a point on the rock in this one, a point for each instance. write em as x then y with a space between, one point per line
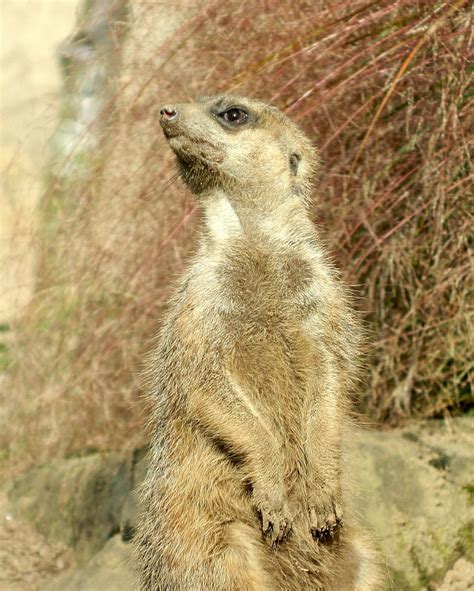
77 501
414 497
130 511
415 494
460 577
109 570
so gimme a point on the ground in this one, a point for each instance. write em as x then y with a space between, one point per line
27 559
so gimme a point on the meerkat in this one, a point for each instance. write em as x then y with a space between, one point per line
251 380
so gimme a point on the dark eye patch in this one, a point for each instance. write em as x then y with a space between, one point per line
232 116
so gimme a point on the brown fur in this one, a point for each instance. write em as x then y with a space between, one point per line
252 376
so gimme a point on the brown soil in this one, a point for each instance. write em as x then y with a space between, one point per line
27 560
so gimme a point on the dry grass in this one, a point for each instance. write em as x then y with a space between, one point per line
383 88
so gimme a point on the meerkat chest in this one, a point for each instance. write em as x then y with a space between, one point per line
269 312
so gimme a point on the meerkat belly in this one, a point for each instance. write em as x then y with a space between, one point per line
276 366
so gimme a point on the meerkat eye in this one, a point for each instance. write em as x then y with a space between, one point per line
234 116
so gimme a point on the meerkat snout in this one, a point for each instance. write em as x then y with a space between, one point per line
171 121
168 112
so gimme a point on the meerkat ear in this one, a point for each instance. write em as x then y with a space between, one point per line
294 162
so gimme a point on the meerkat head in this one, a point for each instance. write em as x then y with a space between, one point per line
239 145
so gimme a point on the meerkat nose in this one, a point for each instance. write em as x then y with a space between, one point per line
168 112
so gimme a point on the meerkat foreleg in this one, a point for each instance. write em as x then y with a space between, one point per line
323 450
236 423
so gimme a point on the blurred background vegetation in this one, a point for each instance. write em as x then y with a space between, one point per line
384 89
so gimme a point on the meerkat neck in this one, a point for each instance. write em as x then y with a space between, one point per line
222 222
284 222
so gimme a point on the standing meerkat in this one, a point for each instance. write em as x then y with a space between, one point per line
252 376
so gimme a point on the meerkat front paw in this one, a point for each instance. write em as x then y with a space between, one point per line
276 517
325 520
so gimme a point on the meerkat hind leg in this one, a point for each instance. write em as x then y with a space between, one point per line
370 576
245 559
